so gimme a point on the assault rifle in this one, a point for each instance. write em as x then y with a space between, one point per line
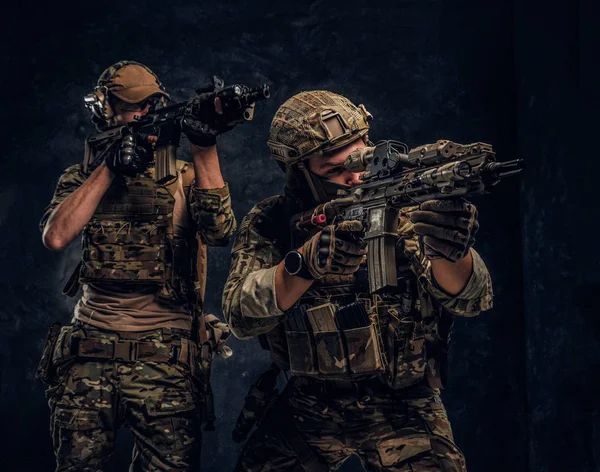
395 178
237 103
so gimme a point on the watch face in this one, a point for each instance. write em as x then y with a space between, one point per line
293 262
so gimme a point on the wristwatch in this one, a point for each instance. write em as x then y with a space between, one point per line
294 265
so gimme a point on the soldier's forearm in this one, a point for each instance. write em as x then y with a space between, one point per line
452 277
69 218
206 167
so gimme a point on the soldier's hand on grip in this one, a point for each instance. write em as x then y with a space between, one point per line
335 250
446 228
204 120
133 155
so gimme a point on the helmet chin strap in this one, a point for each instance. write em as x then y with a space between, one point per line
322 189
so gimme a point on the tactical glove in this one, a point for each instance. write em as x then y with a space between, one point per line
445 228
201 122
218 333
132 156
335 250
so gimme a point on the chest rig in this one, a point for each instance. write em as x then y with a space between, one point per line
338 331
131 240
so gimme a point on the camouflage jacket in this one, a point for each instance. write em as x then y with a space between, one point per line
249 301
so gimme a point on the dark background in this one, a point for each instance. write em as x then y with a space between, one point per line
524 392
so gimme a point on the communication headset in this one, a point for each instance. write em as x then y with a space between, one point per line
98 102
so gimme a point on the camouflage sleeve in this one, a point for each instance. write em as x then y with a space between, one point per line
477 296
70 180
211 210
249 301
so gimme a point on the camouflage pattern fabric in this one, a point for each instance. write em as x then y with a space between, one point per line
91 399
387 429
125 238
389 432
249 296
160 402
71 179
315 122
475 297
249 302
211 211
119 247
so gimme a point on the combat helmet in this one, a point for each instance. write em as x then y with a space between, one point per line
130 82
313 123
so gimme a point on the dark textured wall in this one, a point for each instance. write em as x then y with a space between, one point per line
523 375
558 101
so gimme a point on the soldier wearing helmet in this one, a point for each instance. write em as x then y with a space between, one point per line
130 355
367 369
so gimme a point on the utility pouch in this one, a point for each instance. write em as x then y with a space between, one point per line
45 370
300 343
363 345
331 343
302 356
405 343
330 353
364 350
331 356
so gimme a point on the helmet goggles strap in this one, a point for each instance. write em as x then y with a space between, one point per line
318 196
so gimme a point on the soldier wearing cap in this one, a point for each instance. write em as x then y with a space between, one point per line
367 369
130 355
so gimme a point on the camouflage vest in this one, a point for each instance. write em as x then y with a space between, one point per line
338 331
130 239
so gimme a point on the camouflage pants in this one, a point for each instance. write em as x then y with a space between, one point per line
388 431
91 399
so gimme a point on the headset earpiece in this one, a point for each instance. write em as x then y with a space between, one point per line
98 101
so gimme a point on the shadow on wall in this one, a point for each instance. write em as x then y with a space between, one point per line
578 399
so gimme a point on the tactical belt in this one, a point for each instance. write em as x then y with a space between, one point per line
128 351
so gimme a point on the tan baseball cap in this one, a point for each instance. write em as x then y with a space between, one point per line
133 83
